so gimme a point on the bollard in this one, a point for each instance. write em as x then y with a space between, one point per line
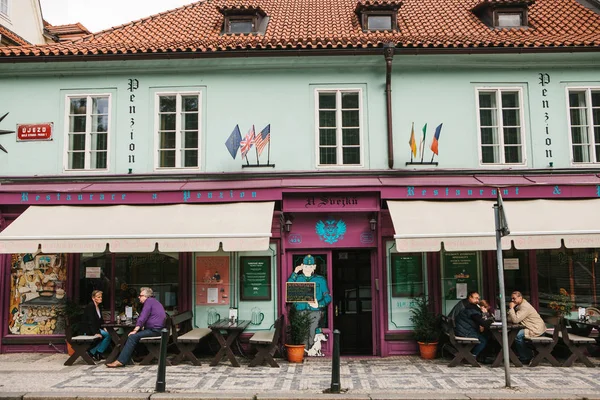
162 361
335 363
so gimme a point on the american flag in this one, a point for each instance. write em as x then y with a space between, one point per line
262 139
247 142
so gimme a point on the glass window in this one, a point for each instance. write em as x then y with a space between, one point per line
339 127
584 124
178 123
575 270
379 22
4 7
509 19
501 132
88 132
516 273
241 25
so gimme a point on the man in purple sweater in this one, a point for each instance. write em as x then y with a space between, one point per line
152 319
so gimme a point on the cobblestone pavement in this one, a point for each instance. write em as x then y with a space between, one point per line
27 372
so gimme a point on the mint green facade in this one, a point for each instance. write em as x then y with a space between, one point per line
281 92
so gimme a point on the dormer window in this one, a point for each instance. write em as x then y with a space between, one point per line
241 20
503 13
380 15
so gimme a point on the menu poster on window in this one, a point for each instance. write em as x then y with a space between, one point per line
212 280
407 275
255 278
460 268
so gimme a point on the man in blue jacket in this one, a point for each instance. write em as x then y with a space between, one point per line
470 322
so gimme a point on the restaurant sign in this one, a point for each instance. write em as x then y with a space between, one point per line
327 202
29 132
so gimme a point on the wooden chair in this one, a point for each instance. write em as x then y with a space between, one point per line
266 342
186 338
460 347
575 344
543 346
153 345
79 343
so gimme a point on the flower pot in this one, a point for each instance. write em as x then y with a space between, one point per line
295 352
70 350
428 350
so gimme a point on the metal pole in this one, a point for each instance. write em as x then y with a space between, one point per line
501 296
162 361
335 363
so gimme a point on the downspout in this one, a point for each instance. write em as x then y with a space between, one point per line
388 53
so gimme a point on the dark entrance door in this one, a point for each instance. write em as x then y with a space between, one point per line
352 300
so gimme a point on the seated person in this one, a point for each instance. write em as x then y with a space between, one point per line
521 312
152 319
485 310
92 320
470 323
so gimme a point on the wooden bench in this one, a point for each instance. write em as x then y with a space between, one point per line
575 343
543 346
79 343
186 338
152 343
460 347
266 343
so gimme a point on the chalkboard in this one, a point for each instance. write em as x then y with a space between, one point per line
407 275
255 278
300 292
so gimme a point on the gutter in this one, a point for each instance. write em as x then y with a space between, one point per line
388 53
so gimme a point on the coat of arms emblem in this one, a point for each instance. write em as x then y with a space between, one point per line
331 231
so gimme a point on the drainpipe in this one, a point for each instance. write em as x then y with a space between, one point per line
388 53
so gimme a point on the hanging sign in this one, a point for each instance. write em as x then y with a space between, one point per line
29 132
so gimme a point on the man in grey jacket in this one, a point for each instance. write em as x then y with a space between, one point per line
521 312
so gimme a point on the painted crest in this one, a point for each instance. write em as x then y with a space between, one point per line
331 231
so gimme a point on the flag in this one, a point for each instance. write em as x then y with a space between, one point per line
262 139
436 138
422 142
248 141
233 141
412 142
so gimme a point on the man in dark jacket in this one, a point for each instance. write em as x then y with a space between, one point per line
470 322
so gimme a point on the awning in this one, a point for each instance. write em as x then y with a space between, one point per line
469 225
179 227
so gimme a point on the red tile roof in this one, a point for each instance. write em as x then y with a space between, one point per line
67 29
13 37
333 24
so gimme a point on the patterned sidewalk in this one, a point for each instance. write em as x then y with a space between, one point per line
29 373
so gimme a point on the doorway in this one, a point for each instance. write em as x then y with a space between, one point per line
352 301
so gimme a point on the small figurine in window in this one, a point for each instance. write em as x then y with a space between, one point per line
217 277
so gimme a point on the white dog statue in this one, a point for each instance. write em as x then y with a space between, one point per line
315 350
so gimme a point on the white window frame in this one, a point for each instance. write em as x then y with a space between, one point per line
88 134
178 144
590 124
500 126
338 124
7 13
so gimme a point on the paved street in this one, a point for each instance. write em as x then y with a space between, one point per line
392 377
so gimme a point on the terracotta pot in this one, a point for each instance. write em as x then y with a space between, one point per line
428 350
70 349
295 352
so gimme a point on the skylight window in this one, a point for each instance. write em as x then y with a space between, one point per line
243 20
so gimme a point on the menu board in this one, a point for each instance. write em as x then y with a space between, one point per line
407 275
300 292
460 274
255 278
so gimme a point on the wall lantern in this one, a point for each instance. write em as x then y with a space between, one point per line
287 225
373 223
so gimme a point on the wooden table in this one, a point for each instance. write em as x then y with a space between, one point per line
584 328
232 330
118 340
513 330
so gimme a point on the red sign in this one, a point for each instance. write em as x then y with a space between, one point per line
35 131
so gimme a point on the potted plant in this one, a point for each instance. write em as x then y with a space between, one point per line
426 326
298 330
72 313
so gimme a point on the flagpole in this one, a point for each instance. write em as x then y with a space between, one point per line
433 155
256 148
269 152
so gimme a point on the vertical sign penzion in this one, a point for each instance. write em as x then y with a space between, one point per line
544 79
133 85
